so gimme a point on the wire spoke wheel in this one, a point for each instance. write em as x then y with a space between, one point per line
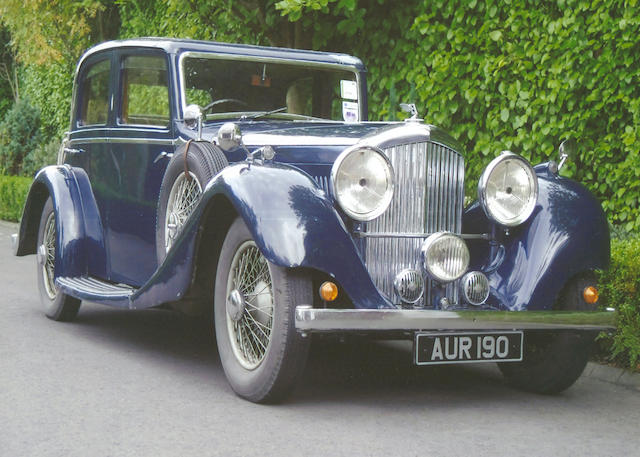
57 305
250 323
183 198
254 304
49 256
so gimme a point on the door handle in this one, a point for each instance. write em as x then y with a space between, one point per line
162 155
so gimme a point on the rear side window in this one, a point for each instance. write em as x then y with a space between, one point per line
95 95
145 91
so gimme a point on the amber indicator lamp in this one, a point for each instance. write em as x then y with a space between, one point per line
328 291
590 295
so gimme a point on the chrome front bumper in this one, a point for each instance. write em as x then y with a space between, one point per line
312 320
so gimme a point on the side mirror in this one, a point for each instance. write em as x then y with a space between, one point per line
567 149
229 136
193 118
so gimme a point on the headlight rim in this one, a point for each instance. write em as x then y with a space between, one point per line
332 183
482 189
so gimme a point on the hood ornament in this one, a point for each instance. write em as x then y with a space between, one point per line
412 110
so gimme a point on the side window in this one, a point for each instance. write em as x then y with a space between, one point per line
145 91
95 95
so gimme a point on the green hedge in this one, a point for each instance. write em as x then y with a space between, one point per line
13 192
499 74
620 286
522 75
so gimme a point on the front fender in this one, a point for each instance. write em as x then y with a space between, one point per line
77 220
567 234
291 220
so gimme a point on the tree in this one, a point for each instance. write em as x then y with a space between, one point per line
9 80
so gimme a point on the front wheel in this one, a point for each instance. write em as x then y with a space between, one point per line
261 353
553 362
57 305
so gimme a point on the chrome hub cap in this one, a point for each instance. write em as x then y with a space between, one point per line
235 305
183 198
47 256
249 305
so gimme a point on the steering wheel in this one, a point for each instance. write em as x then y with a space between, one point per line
224 100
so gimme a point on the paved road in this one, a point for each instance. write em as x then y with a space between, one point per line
149 383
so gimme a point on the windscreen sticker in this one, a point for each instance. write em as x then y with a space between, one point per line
350 111
348 89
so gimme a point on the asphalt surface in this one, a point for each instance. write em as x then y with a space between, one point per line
149 383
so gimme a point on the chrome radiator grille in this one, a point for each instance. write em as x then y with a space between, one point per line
428 198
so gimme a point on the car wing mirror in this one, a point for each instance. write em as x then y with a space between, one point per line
193 119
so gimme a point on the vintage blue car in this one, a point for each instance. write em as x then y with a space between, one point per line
246 183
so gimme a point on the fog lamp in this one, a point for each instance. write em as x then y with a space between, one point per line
445 256
475 287
409 285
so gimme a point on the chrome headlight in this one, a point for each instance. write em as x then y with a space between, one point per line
508 189
445 256
362 182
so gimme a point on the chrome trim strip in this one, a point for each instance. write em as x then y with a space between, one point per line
469 236
149 129
262 139
333 320
94 286
248 58
154 141
392 134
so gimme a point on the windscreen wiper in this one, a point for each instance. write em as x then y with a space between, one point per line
264 114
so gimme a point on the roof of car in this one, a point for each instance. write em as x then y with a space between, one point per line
172 46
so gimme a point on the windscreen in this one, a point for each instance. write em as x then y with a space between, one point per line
238 88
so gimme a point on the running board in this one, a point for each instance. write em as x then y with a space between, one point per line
97 290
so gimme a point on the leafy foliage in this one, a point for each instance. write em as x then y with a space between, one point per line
9 82
43 155
621 288
13 193
523 76
19 136
49 88
515 75
49 30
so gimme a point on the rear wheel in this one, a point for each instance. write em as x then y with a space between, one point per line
553 362
260 350
57 305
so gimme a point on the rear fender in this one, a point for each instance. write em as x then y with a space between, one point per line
78 222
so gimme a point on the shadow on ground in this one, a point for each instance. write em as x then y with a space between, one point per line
356 368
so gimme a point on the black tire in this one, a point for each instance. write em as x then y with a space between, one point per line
286 351
553 362
57 305
204 161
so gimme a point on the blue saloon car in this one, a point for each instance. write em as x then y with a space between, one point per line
247 183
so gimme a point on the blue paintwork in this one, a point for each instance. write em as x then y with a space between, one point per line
79 228
108 231
294 224
567 234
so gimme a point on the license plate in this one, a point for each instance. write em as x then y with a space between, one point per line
440 348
